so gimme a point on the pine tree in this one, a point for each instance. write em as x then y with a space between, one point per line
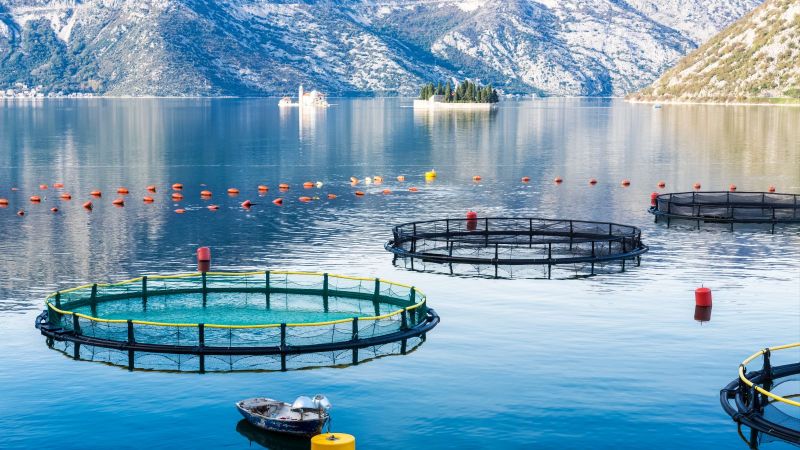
448 92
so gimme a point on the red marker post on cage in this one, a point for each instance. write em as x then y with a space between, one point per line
203 259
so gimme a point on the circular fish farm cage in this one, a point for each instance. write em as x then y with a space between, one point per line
751 399
516 247
727 208
271 320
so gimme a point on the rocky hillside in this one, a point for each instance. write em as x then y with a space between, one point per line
261 47
756 58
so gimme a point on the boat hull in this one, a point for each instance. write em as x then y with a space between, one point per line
307 428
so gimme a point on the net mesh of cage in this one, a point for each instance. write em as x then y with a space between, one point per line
376 312
516 247
728 207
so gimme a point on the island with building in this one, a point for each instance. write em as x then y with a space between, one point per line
305 99
464 95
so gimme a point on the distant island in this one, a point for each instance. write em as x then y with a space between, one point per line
464 95
755 60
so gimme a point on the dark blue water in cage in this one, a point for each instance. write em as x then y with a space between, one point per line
614 361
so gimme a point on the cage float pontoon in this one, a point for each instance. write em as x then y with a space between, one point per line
751 400
366 313
728 208
473 244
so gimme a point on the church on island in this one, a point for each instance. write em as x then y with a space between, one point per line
306 99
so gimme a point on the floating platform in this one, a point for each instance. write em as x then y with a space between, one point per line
364 313
728 208
498 246
750 399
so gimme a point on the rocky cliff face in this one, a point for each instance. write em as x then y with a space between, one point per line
757 57
259 47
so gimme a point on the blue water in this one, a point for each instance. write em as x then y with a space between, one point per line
613 361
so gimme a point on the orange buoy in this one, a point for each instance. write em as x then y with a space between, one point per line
283 187
233 191
21 212
246 204
653 198
177 186
278 201
88 205
212 207
702 296
308 185
177 196
35 199
558 180
377 179
476 178
96 194
697 186
771 188
43 187
401 178
413 189
592 181
118 202
305 199
662 184
54 209
58 185
386 192
353 180
3 201
148 199
65 196
205 194
263 188
526 179
359 193
732 188
626 182
331 196
123 191
180 211
151 188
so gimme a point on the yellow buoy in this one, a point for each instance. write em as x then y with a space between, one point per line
431 174
340 441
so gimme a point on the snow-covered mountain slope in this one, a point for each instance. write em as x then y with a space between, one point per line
756 57
260 47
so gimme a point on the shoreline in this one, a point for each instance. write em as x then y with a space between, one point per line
792 104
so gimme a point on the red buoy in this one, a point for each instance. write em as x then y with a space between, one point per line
118 202
3 202
526 179
472 220
476 178
278 201
147 199
246 204
662 184
58 185
732 188
213 207
151 188
55 210
558 180
205 194
35 199
626 182
592 181
88 205
331 196
305 199
653 198
21 212
771 188
702 296
308 185
203 259
96 193
697 186
177 186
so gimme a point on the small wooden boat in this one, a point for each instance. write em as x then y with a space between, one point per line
304 417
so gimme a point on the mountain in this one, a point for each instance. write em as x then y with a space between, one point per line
756 58
259 47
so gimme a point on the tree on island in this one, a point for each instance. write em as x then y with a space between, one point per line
464 92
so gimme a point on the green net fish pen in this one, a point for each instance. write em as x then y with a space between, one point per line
727 208
218 317
516 247
763 400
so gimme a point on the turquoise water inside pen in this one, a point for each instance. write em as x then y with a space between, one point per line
611 361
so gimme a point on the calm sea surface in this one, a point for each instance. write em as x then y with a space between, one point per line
613 361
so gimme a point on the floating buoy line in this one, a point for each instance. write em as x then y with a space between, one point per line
176 194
